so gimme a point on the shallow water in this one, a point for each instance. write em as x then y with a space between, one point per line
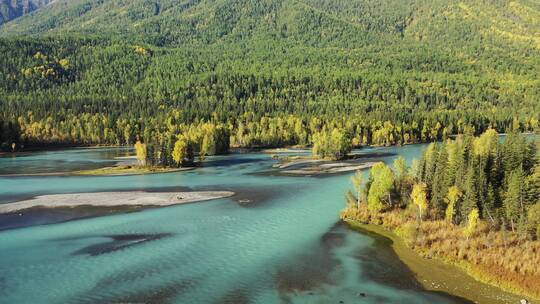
277 241
59 161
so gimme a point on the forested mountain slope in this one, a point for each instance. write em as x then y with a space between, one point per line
389 71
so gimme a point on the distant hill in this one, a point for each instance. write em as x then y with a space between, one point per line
375 66
12 9
340 23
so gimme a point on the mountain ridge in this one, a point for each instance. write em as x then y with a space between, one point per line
13 9
319 22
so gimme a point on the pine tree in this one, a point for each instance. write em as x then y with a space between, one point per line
439 187
470 195
513 201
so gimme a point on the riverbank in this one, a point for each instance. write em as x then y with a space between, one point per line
303 165
436 275
128 170
39 148
113 199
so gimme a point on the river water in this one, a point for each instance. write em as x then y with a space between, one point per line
278 240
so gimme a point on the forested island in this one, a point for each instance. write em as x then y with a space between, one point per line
179 81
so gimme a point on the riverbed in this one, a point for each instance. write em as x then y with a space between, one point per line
277 240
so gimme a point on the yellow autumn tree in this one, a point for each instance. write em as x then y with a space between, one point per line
180 151
358 180
140 151
419 198
472 222
453 196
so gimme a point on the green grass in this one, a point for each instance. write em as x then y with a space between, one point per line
127 170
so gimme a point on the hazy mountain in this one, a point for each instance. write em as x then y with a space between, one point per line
340 23
11 9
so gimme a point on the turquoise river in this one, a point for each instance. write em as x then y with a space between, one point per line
278 240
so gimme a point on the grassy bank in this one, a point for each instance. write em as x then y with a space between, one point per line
500 259
437 275
128 170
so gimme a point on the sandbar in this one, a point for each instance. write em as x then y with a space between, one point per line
113 199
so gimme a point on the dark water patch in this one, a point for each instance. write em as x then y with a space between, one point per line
51 167
254 197
163 294
3 286
248 196
232 161
126 276
309 271
45 161
119 242
237 296
43 216
381 264
335 237
362 155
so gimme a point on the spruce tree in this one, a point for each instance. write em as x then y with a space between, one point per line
439 187
513 201
470 195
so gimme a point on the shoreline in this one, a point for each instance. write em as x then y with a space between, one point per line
112 199
437 275
105 171
36 149
120 170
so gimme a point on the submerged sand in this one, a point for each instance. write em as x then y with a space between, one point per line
330 168
113 199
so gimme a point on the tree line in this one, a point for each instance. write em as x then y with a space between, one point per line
462 180
76 90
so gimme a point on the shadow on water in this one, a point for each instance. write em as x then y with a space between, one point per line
30 195
166 293
43 216
118 242
3 286
381 264
236 296
308 271
244 196
225 162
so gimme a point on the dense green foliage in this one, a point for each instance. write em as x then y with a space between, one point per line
500 180
471 201
272 72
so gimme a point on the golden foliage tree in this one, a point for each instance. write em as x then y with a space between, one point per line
419 198
141 152
452 198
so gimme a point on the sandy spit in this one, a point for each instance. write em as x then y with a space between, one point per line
329 169
109 199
